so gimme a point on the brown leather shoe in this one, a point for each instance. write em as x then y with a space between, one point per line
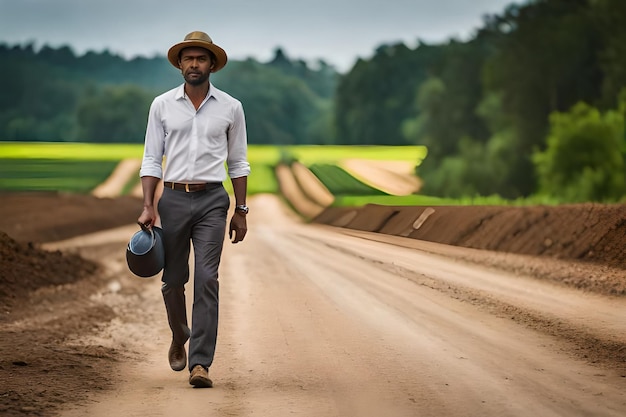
177 356
199 377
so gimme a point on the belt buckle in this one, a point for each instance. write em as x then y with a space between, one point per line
186 187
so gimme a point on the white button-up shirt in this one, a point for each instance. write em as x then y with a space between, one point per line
196 144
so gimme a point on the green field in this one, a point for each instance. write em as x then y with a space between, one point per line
73 175
79 167
341 183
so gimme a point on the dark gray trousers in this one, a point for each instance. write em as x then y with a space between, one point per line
198 218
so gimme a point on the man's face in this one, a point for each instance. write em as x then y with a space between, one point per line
196 65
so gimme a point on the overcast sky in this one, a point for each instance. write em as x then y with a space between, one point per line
339 31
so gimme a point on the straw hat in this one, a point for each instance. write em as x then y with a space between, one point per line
200 40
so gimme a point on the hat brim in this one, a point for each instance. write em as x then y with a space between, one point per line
220 54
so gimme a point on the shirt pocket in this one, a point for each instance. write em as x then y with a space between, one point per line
213 132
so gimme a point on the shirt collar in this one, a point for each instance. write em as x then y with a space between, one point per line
180 92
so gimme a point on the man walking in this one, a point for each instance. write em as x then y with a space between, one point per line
194 130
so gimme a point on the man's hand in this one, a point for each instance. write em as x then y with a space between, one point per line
238 227
147 217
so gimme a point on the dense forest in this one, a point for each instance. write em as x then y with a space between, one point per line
53 95
532 104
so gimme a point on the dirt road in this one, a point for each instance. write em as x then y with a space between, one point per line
320 321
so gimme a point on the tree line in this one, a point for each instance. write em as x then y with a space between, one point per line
532 104
52 94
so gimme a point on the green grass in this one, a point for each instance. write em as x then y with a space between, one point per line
424 200
131 184
389 200
53 174
339 182
261 180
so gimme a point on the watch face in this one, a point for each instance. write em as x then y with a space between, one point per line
242 209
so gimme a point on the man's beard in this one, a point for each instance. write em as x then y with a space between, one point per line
196 81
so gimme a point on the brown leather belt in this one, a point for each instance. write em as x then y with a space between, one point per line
191 188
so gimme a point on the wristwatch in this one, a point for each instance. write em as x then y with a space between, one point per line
242 209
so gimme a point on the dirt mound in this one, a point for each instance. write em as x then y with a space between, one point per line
27 219
26 268
45 298
587 232
584 235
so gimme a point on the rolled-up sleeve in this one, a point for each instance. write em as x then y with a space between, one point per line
151 164
237 159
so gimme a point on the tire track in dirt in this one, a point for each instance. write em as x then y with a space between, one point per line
602 345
